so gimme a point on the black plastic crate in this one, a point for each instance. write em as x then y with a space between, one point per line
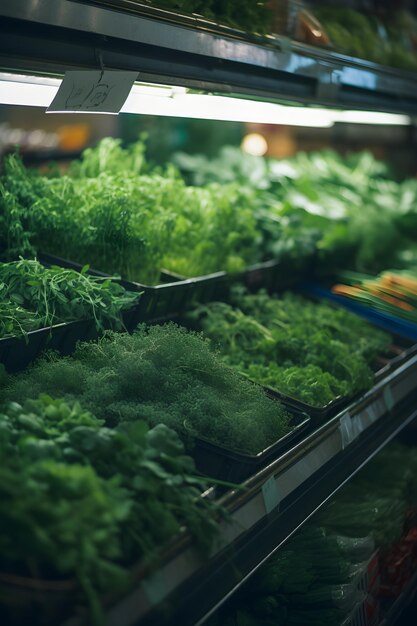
166 300
277 275
35 601
273 275
224 464
16 353
317 414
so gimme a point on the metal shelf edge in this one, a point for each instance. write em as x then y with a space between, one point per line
294 474
271 66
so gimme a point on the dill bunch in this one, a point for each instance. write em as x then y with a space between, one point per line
160 374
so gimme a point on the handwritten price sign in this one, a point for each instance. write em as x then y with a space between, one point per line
93 92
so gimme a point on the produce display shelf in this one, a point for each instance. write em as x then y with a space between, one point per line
268 508
49 36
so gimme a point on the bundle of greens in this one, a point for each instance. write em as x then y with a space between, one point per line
375 502
313 579
362 214
347 210
248 15
311 352
116 213
15 321
160 374
111 213
308 582
79 500
363 35
33 296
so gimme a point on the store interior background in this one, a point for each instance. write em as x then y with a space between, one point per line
42 137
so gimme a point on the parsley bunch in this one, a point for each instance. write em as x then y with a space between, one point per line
80 500
309 351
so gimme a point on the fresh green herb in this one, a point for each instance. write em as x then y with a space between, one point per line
80 500
44 296
365 36
16 321
248 15
346 210
129 222
161 374
312 352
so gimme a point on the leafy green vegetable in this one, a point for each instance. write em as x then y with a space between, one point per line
109 157
312 352
81 500
248 15
32 295
307 583
116 213
313 579
126 222
161 374
364 36
375 502
347 210
16 321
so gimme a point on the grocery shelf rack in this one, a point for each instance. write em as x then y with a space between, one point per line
269 507
51 36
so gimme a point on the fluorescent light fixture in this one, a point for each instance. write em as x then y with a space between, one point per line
371 117
222 108
165 100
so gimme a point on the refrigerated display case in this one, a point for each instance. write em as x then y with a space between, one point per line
44 38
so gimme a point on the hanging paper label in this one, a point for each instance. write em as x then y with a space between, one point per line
270 494
93 92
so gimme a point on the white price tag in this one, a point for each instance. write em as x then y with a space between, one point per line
93 92
370 411
388 398
346 430
358 425
154 588
270 494
285 43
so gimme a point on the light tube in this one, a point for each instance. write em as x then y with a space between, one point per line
165 100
